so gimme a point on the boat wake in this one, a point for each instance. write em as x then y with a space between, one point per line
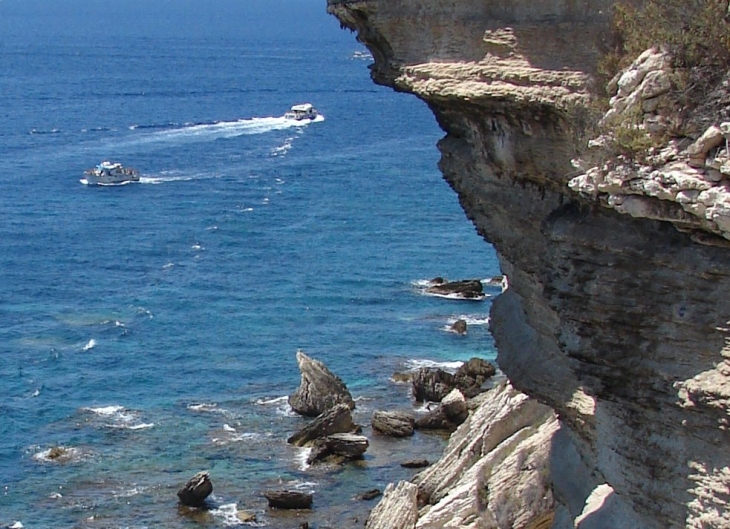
210 131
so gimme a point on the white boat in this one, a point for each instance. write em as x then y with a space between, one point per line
107 173
300 112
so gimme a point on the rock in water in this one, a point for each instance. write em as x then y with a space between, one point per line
319 390
393 423
431 384
195 491
467 289
336 420
289 499
459 326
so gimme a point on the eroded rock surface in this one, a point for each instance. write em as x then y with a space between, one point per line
616 314
319 389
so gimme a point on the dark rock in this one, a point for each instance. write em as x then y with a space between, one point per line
476 368
342 445
467 289
194 492
472 375
447 416
415 463
431 384
393 423
369 495
319 389
436 420
347 445
336 420
459 327
289 499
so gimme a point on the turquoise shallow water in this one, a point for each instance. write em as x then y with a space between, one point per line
152 327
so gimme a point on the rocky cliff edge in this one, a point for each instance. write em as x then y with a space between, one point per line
616 315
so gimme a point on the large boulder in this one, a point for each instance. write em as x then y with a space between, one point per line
342 446
196 490
335 420
472 375
288 499
393 423
431 384
448 415
319 389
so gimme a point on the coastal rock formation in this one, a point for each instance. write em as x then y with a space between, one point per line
289 499
342 446
464 289
196 490
319 389
494 471
335 420
616 313
393 423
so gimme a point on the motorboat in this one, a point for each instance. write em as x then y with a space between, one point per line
300 112
110 173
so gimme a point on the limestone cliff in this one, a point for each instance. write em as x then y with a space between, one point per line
616 317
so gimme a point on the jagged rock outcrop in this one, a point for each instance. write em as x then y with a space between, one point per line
393 423
616 314
335 420
494 472
319 389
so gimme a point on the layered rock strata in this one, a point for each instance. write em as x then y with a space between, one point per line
615 316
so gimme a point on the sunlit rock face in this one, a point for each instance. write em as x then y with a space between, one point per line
619 323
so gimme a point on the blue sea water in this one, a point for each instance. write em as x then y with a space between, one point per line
151 329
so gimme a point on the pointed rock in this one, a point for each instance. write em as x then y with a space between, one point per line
319 390
194 492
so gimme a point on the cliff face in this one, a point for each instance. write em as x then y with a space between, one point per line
619 323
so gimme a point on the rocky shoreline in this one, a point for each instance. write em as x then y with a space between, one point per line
616 315
333 438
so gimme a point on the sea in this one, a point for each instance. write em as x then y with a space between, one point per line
149 331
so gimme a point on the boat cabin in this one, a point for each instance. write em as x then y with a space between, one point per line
303 111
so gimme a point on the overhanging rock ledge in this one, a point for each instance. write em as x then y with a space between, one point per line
620 324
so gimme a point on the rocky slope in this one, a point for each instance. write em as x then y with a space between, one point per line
616 314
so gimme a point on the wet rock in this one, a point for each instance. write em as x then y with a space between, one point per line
319 389
336 420
466 289
415 463
448 415
431 384
369 495
393 423
289 499
459 327
343 445
472 375
196 490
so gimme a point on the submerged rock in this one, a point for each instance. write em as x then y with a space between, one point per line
415 463
196 490
319 389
